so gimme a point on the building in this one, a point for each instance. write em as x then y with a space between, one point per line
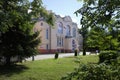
62 37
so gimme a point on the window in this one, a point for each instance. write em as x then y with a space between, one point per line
41 24
73 45
68 30
62 41
47 47
46 33
59 41
60 28
74 32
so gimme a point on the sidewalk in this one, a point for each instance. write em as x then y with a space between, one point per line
48 56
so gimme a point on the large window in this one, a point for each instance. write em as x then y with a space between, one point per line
60 28
68 31
60 41
46 33
74 32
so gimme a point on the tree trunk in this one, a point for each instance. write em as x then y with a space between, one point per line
84 52
33 58
84 45
8 60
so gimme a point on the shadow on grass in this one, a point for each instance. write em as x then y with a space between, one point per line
11 70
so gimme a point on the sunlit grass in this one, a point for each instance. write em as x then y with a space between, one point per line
49 69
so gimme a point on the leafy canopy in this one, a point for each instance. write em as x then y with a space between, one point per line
17 18
104 13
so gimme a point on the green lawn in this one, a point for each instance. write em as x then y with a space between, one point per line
49 69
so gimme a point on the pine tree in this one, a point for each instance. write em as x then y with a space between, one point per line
17 18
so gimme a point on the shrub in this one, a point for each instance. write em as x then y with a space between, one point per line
56 55
108 57
75 53
94 72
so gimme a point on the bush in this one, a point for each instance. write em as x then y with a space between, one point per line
75 53
56 55
94 72
108 57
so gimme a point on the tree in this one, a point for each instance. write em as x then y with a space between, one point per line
101 39
105 13
101 12
95 38
83 31
84 28
17 18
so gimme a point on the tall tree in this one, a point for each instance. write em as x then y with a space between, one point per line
85 25
100 12
84 32
17 18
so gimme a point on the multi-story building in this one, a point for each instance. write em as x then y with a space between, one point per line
62 37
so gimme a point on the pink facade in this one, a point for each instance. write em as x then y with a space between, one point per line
62 37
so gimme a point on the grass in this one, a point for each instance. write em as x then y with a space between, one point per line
49 69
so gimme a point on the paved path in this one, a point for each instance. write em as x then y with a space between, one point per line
47 56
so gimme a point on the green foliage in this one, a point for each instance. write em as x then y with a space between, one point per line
100 12
102 39
75 53
103 15
17 18
94 72
108 57
56 55
84 29
96 37
91 71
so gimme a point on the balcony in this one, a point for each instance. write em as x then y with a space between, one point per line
68 36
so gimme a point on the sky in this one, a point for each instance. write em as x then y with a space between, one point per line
64 8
